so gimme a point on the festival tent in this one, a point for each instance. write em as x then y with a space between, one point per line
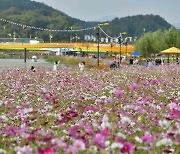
171 50
135 53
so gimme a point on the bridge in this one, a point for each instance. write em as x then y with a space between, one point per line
85 47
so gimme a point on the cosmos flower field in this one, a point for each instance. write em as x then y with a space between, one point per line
131 110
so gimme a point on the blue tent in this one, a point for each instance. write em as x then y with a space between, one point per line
135 53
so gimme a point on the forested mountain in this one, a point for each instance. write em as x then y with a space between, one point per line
37 14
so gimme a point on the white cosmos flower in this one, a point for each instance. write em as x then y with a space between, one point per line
107 143
164 123
103 97
164 142
27 110
105 118
116 145
121 135
3 151
1 103
126 120
97 114
138 139
105 125
4 117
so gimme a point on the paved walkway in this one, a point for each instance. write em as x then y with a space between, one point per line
15 63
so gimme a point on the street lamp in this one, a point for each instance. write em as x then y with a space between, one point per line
50 37
14 36
126 43
111 48
98 38
120 42
76 38
71 35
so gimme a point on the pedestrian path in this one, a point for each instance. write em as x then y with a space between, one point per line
15 63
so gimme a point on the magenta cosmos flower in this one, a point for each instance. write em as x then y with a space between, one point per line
127 147
48 150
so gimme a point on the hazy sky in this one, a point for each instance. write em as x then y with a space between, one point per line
93 10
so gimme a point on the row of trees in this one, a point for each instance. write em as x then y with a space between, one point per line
153 42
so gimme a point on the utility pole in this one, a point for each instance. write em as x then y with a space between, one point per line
120 42
98 38
14 36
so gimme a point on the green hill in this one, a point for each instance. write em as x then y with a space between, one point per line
37 14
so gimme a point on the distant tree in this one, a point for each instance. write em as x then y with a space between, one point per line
153 42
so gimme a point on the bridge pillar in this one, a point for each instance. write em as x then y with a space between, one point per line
25 54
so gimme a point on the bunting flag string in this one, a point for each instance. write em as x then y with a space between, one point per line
108 35
56 30
45 29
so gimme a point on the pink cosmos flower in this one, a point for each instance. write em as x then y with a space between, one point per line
46 138
26 149
89 108
134 86
112 110
100 140
105 132
48 150
172 105
127 147
154 82
119 140
79 145
73 131
118 92
147 138
175 113
31 138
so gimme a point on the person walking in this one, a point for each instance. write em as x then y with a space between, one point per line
82 66
56 63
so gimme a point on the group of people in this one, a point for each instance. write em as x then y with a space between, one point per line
81 66
56 64
115 64
157 62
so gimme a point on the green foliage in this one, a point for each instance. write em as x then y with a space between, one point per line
37 14
153 42
135 25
